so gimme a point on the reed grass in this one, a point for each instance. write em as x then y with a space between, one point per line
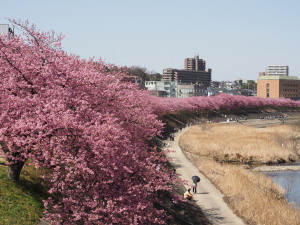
251 195
243 144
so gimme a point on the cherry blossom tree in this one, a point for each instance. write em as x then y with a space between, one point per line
221 101
89 128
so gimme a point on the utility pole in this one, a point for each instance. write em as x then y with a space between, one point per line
248 86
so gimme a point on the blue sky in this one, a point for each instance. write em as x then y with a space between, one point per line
237 38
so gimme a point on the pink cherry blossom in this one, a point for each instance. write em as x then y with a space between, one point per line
79 119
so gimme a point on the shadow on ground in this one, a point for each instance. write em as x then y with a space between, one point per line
184 212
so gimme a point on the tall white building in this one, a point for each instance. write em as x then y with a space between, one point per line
277 70
4 29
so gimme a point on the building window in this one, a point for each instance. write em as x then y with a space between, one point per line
268 90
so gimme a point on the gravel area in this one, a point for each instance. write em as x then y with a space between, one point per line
276 168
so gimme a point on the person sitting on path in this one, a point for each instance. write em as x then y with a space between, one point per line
188 195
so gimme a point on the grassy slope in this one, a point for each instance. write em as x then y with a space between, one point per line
175 120
21 203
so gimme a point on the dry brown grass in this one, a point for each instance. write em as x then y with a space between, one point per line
252 196
244 144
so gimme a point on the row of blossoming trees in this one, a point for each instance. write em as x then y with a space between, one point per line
221 101
79 119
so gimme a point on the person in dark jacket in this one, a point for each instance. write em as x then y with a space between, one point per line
196 180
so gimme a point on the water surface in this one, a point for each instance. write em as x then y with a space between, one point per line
290 181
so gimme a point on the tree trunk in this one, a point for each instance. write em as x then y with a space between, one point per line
14 171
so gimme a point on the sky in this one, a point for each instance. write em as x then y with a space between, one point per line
237 38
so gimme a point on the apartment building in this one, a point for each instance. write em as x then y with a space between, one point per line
194 64
187 76
194 73
276 70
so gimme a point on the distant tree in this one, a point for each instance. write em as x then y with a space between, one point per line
143 73
249 85
240 82
139 71
153 76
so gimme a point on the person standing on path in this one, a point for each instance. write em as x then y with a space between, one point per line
212 202
195 179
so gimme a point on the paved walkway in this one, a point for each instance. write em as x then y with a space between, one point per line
207 197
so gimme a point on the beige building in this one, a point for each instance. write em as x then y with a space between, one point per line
278 87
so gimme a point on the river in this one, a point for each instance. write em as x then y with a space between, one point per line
290 181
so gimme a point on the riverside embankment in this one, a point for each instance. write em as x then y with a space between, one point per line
208 197
251 195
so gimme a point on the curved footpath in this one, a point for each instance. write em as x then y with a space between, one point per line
207 197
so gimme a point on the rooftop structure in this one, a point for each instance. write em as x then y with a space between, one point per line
277 77
275 70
